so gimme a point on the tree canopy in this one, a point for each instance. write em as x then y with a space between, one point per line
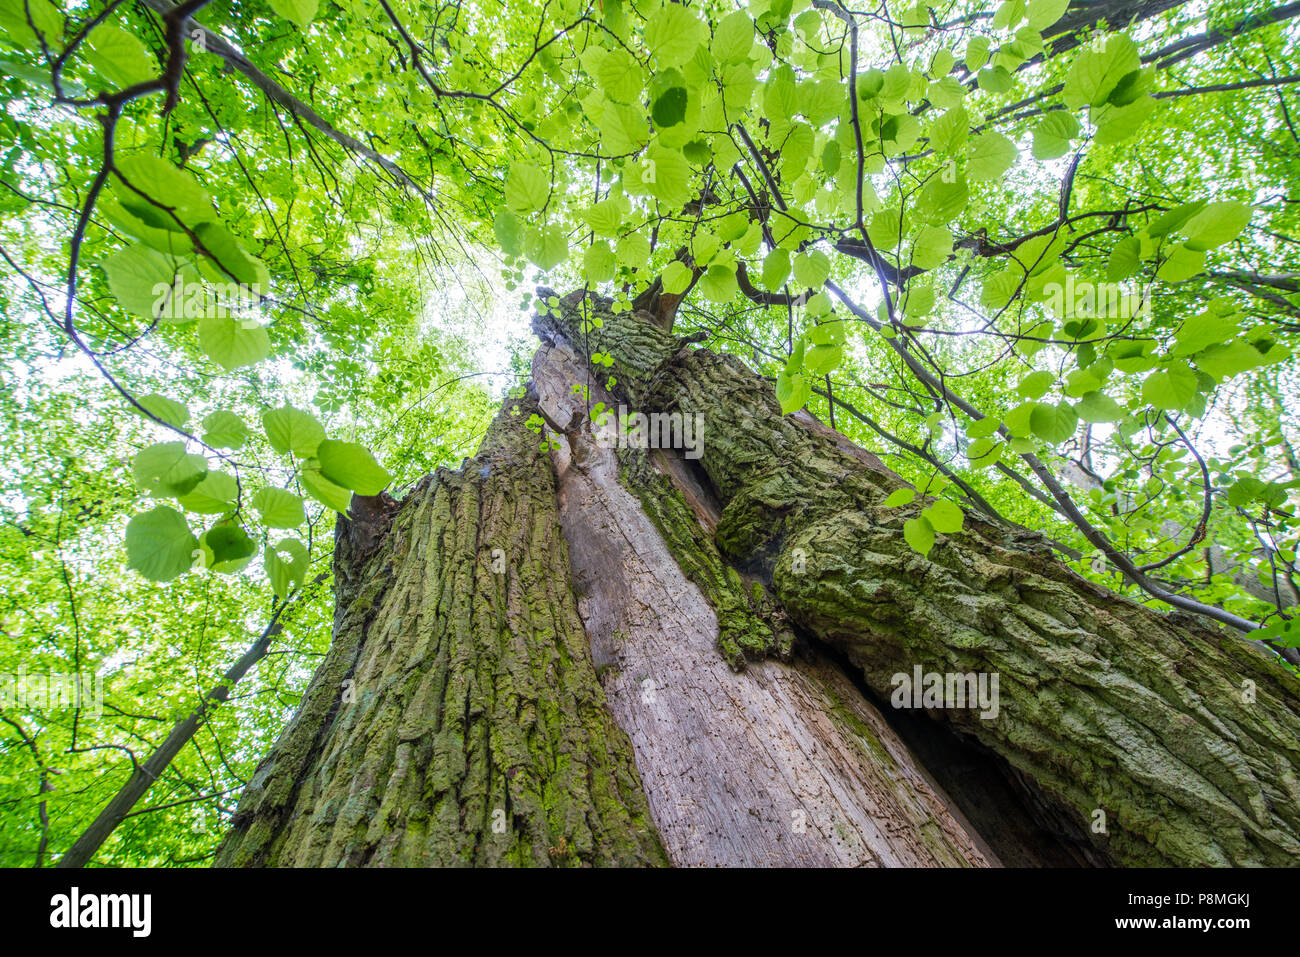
1042 257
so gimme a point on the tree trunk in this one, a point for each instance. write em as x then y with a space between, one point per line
567 653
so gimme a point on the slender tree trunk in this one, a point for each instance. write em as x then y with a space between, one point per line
144 775
566 653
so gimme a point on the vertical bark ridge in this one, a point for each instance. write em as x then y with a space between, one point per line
1182 735
457 718
775 765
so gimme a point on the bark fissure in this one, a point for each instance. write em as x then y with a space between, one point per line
772 764
1180 738
457 718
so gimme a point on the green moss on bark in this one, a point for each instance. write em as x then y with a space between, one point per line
1185 736
457 718
750 626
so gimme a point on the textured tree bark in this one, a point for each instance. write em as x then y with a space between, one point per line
1182 736
567 653
457 695
457 718
773 764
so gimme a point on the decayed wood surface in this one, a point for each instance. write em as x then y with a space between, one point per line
776 765
1160 739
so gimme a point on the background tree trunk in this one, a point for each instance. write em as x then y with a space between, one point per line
616 656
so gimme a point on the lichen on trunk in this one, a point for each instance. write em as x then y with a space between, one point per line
457 718
1180 739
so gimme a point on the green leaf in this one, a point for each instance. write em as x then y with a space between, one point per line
620 76
667 175
46 17
301 12
161 407
984 452
232 343
672 34
215 494
932 247
159 544
943 201
286 572
1173 220
547 247
1098 407
948 134
224 430
1225 360
792 392
1170 389
1053 423
279 508
292 430
918 303
165 184
324 491
1036 384
822 359
1098 69
919 533
228 547
1216 224
527 188
899 497
1044 13
605 218
1008 14
776 268
1117 123
947 93
718 283
351 466
1244 491
509 232
1182 263
633 251
733 37
944 516
234 260
675 277
994 79
811 269
989 156
167 469
119 57
1052 136
141 280
599 262
1124 259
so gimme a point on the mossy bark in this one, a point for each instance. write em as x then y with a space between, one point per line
762 763
457 718
1179 739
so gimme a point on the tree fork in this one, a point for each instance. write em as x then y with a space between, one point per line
1181 735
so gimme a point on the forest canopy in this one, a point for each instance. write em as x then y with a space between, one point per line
1043 258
